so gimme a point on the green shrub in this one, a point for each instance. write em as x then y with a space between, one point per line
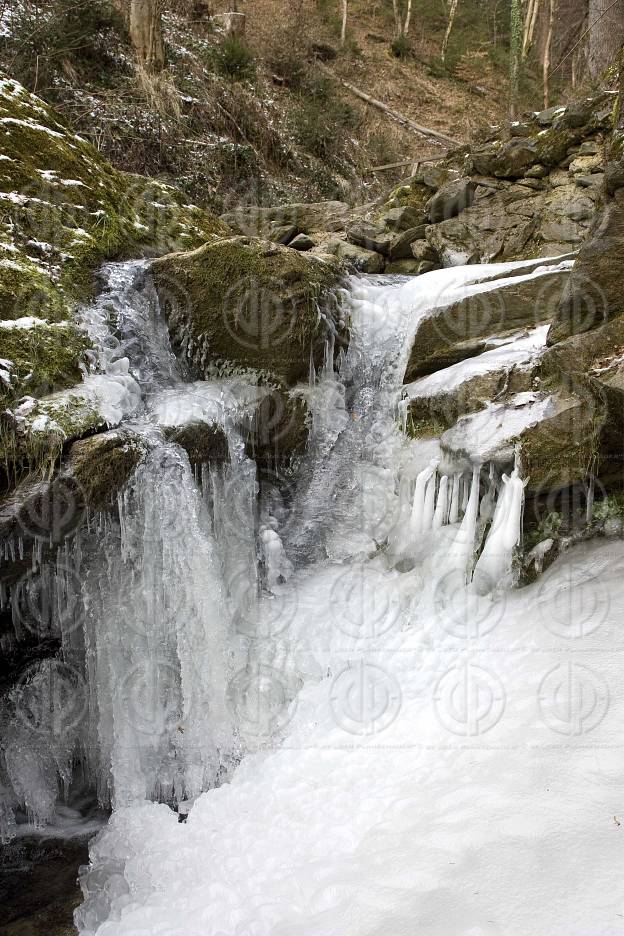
234 59
401 48
322 118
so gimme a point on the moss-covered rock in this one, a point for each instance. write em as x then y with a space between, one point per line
101 465
65 211
244 304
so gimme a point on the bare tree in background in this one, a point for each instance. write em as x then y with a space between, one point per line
547 50
343 30
530 22
606 35
402 24
447 35
146 33
516 33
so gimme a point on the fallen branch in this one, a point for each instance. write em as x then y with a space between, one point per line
394 115
405 162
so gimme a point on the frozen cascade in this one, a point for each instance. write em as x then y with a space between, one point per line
320 816
145 600
379 578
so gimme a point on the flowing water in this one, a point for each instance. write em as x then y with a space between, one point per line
367 727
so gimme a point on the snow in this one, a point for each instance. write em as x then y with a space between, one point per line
412 809
372 732
32 125
25 323
513 352
491 433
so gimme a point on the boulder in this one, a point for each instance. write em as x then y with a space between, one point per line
461 330
370 236
409 267
401 244
357 258
242 303
594 293
450 200
306 219
302 242
403 218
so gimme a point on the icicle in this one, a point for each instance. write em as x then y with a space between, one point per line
589 515
460 554
439 517
418 504
428 509
454 508
493 570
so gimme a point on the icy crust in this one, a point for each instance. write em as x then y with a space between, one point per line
492 434
517 351
412 828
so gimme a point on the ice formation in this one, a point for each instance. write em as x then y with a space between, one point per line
368 729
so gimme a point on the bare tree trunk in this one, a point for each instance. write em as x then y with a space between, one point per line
515 53
529 26
408 18
547 50
343 31
606 35
397 18
146 33
449 27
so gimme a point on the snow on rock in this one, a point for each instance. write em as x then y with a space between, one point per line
491 434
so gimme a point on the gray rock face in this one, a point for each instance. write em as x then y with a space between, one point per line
370 236
451 200
403 218
358 258
461 330
401 245
306 219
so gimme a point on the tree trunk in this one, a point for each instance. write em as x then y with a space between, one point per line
606 35
397 18
547 50
408 18
146 33
449 27
529 26
343 31
515 51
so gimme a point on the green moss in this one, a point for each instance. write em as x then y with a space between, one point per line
248 303
102 464
424 428
44 358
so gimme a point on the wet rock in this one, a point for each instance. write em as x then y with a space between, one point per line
409 267
243 303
